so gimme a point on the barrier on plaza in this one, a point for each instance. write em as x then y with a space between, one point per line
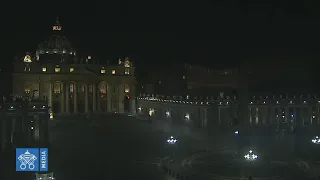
164 164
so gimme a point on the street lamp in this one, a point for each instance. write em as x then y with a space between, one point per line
168 114
46 176
172 140
316 140
251 156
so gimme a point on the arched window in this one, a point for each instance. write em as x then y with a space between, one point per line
71 88
103 88
27 88
126 88
56 88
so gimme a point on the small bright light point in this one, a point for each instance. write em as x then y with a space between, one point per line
250 156
31 127
316 140
236 132
171 140
34 107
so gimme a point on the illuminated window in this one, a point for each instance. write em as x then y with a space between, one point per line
126 70
44 69
90 88
71 88
57 69
82 87
126 88
127 63
103 88
56 28
27 68
113 71
71 69
56 88
27 90
102 71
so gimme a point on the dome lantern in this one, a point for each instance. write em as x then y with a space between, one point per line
57 25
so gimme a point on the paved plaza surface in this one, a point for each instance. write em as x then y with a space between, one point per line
113 146
118 146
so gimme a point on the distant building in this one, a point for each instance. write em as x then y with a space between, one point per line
192 80
71 84
206 81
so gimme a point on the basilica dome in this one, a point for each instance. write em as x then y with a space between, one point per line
57 43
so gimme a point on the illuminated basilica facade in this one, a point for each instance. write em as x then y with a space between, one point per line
54 73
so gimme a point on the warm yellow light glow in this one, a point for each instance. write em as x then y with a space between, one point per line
103 88
56 28
126 88
113 71
151 112
51 115
44 69
71 69
27 68
102 71
27 58
127 71
89 57
57 69
56 88
27 90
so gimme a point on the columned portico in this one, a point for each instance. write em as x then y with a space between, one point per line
75 98
86 105
62 101
71 84
67 97
50 94
94 97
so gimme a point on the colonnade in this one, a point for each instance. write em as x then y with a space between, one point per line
92 96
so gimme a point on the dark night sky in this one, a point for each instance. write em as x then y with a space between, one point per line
155 33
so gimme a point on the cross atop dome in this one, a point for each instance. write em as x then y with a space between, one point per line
57 25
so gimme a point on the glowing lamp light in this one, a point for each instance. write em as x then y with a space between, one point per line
51 115
33 107
168 113
316 140
236 132
187 116
251 156
172 140
151 112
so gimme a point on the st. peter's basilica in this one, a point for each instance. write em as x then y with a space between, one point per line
71 84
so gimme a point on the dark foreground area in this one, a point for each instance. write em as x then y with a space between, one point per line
116 147
109 147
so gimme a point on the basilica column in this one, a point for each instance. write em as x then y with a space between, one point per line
50 95
62 103
75 98
121 95
109 105
86 98
67 97
94 97
99 98
4 131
